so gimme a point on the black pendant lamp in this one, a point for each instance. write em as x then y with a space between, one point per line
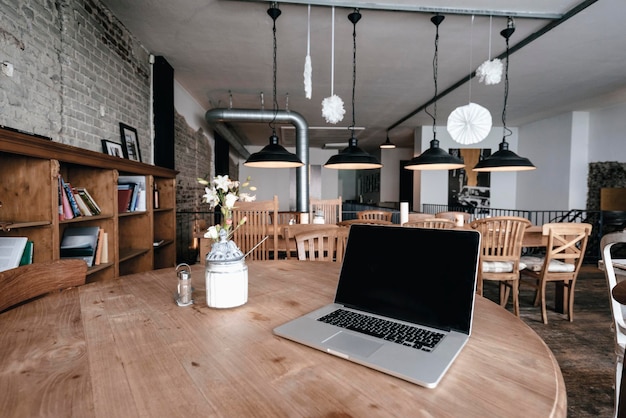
504 159
353 157
434 158
273 155
387 144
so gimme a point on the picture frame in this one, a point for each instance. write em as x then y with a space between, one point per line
112 148
130 143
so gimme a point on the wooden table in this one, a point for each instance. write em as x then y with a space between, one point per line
123 348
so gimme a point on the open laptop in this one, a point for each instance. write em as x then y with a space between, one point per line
423 278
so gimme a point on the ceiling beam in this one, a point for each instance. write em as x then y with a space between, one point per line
398 7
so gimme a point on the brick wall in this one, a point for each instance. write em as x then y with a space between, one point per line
78 73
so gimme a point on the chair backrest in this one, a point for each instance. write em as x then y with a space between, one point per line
453 214
317 245
567 242
501 239
258 225
27 282
331 208
416 216
437 223
349 222
290 231
607 243
381 215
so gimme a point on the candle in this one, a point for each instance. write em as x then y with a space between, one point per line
404 212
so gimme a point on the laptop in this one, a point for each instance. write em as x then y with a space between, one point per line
402 277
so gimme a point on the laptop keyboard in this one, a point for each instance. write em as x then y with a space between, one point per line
387 330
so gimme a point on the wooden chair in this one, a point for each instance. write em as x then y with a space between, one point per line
349 222
289 233
258 225
317 245
453 214
331 208
418 216
565 252
501 249
437 223
615 241
27 282
372 214
342 240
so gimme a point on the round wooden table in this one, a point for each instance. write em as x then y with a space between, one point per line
124 348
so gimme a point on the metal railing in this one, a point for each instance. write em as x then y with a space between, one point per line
599 220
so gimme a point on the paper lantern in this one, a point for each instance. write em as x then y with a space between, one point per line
469 124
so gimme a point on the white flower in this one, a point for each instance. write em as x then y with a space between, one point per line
229 200
222 183
246 197
490 72
211 197
212 233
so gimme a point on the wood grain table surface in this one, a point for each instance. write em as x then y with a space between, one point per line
123 348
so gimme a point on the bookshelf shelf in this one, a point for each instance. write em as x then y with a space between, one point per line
34 164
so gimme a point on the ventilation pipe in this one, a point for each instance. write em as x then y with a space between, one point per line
215 116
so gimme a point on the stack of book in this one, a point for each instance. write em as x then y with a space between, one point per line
87 243
131 194
75 201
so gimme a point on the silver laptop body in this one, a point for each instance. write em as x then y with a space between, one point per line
413 276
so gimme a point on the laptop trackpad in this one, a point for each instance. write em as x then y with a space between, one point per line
352 344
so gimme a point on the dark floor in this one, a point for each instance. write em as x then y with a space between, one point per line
584 348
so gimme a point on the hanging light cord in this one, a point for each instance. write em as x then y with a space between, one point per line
274 13
506 131
354 18
437 19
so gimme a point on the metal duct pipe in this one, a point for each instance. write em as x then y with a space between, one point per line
214 116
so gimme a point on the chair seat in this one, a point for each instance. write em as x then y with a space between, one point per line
556 266
500 266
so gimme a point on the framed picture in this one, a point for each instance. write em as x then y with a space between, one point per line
112 148
130 142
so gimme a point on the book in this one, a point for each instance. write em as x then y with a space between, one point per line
70 196
27 255
90 201
11 250
98 255
68 213
104 255
80 242
60 193
82 206
124 196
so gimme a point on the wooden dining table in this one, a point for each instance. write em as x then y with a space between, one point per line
124 348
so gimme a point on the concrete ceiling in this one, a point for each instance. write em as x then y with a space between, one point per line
566 55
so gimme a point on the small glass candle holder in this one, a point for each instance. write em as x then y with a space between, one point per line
184 295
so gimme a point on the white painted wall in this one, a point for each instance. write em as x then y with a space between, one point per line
607 134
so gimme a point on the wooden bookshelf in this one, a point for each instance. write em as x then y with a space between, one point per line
29 167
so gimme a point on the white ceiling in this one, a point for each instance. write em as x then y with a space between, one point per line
222 49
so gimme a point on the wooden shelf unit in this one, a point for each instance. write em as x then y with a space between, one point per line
29 167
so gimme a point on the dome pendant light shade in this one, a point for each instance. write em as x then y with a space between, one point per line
273 155
387 144
434 158
504 160
353 158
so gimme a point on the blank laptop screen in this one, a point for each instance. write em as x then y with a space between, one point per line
418 275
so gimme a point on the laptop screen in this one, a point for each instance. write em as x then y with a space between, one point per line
418 275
